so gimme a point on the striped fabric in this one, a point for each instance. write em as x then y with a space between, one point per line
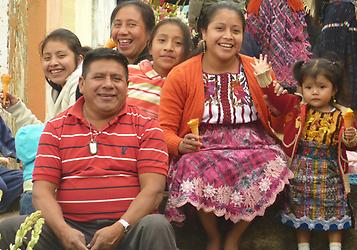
99 186
145 87
227 99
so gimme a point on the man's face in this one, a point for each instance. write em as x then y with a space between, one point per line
104 88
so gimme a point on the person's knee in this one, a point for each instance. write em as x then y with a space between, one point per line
155 222
8 229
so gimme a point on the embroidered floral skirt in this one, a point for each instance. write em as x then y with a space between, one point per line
237 174
316 196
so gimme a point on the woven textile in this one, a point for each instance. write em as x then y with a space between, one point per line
339 35
281 33
316 197
237 174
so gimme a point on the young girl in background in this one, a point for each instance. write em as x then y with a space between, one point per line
169 45
61 57
315 137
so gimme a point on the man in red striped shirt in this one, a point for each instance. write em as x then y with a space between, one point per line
100 169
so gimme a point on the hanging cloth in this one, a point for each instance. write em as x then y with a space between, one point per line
253 6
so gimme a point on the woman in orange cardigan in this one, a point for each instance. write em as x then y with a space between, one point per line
235 169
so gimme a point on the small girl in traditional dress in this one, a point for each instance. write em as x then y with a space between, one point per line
316 138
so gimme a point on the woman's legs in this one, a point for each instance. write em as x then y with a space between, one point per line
209 223
233 237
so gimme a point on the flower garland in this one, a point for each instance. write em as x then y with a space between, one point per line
33 220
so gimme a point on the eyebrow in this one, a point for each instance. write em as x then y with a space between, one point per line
126 20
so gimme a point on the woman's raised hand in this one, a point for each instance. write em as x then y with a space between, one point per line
190 143
10 100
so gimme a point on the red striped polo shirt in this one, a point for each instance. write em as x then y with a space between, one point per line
99 186
145 87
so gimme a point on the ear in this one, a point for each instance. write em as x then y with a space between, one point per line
204 34
149 49
80 59
334 91
81 84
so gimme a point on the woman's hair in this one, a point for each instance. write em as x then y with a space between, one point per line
187 42
66 36
331 69
206 17
147 14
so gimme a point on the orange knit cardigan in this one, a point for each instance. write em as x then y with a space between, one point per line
182 98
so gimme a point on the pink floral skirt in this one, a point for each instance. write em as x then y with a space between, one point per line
237 174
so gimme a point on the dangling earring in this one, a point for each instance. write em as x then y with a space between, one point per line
334 100
204 46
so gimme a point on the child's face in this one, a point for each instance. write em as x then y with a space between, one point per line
58 61
318 92
167 48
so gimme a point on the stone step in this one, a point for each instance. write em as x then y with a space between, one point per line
265 233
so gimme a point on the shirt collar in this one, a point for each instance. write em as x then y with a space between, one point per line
147 69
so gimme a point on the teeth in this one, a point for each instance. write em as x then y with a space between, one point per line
55 71
124 41
226 45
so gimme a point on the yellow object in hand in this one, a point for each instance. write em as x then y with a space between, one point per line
110 43
348 118
193 124
5 80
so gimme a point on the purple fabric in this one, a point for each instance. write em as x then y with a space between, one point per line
237 174
282 35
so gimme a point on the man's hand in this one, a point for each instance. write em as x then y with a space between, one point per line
73 239
107 238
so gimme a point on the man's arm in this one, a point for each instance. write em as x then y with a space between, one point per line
44 199
152 188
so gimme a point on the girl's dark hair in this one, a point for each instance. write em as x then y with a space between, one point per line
145 10
187 42
331 69
206 17
66 36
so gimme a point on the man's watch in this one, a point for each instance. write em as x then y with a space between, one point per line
125 224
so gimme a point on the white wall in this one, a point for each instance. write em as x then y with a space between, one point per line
92 21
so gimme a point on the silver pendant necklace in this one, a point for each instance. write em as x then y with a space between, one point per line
93 146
